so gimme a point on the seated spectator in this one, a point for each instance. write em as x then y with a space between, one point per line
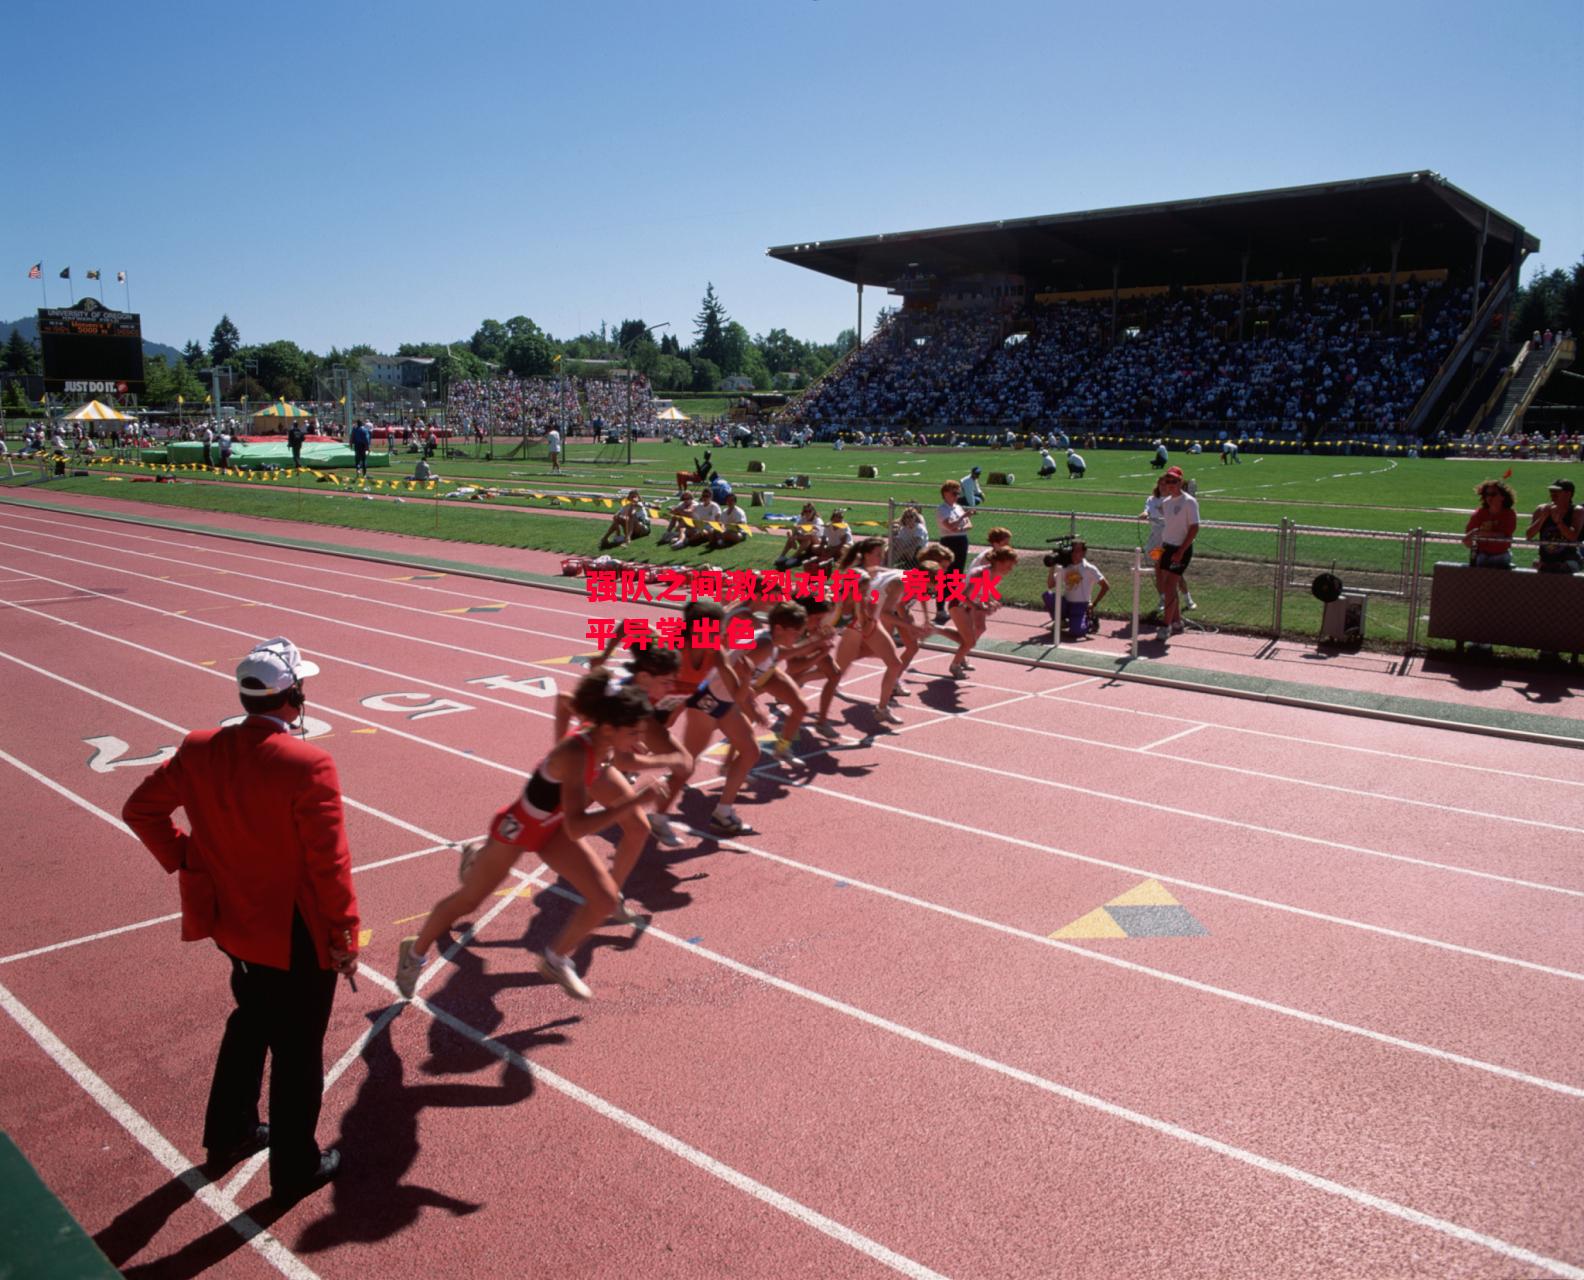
421 471
838 535
1489 532
630 522
705 511
735 521
972 494
676 530
803 539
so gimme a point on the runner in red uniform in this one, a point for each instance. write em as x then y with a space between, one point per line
552 817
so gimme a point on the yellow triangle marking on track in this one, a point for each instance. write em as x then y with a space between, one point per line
365 731
422 915
208 662
1150 893
521 891
365 936
1097 924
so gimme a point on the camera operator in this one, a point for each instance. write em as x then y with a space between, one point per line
1180 514
1069 566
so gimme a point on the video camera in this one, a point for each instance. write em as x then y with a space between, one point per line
1061 552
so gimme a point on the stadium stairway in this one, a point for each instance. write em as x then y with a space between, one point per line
1533 367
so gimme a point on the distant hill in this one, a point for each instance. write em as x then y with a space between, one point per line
29 327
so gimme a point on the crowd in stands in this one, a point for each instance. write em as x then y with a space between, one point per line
509 405
1330 354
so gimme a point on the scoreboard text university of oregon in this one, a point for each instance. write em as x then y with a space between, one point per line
91 350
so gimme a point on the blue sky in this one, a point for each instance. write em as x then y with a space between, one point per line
341 173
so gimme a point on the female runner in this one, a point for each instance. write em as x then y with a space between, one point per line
870 632
552 817
970 616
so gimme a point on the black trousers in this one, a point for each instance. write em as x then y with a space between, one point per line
284 1013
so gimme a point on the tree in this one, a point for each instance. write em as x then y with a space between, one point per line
224 342
528 352
193 354
630 332
489 341
846 340
706 374
709 329
20 358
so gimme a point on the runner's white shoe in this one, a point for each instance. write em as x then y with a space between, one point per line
408 967
664 832
561 970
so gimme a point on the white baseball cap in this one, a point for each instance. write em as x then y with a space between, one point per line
273 666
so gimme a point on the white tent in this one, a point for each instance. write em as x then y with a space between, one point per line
671 414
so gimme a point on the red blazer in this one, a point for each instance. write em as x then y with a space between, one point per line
267 827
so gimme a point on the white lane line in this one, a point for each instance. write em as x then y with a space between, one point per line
156 1144
1133 966
256 1162
176 728
253 576
384 728
977 833
533 711
971 831
675 1146
56 787
1193 728
471 693
1179 812
221 547
91 937
1319 742
1048 693
1264 1164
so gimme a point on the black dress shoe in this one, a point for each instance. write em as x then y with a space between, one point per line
329 1166
225 1157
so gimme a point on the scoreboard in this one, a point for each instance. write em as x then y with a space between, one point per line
91 349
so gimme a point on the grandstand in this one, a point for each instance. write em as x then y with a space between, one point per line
1370 309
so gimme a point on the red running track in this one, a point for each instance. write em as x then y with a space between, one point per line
848 1045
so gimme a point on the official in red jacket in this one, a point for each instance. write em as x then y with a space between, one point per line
266 873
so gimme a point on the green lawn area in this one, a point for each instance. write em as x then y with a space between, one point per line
1378 499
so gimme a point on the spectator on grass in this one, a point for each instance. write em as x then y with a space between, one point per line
265 871
294 442
735 521
553 445
803 539
1489 532
838 536
676 530
225 450
360 439
972 494
1047 464
705 512
1076 466
629 523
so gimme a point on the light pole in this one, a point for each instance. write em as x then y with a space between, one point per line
647 329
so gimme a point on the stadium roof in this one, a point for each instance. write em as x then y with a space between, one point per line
1335 228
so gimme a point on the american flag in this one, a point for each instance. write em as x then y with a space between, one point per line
36 271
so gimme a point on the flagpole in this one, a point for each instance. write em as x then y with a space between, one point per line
44 288
126 286
101 286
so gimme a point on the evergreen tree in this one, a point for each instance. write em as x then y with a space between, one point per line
20 357
709 329
193 354
224 342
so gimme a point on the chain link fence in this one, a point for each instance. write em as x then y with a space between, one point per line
1259 579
